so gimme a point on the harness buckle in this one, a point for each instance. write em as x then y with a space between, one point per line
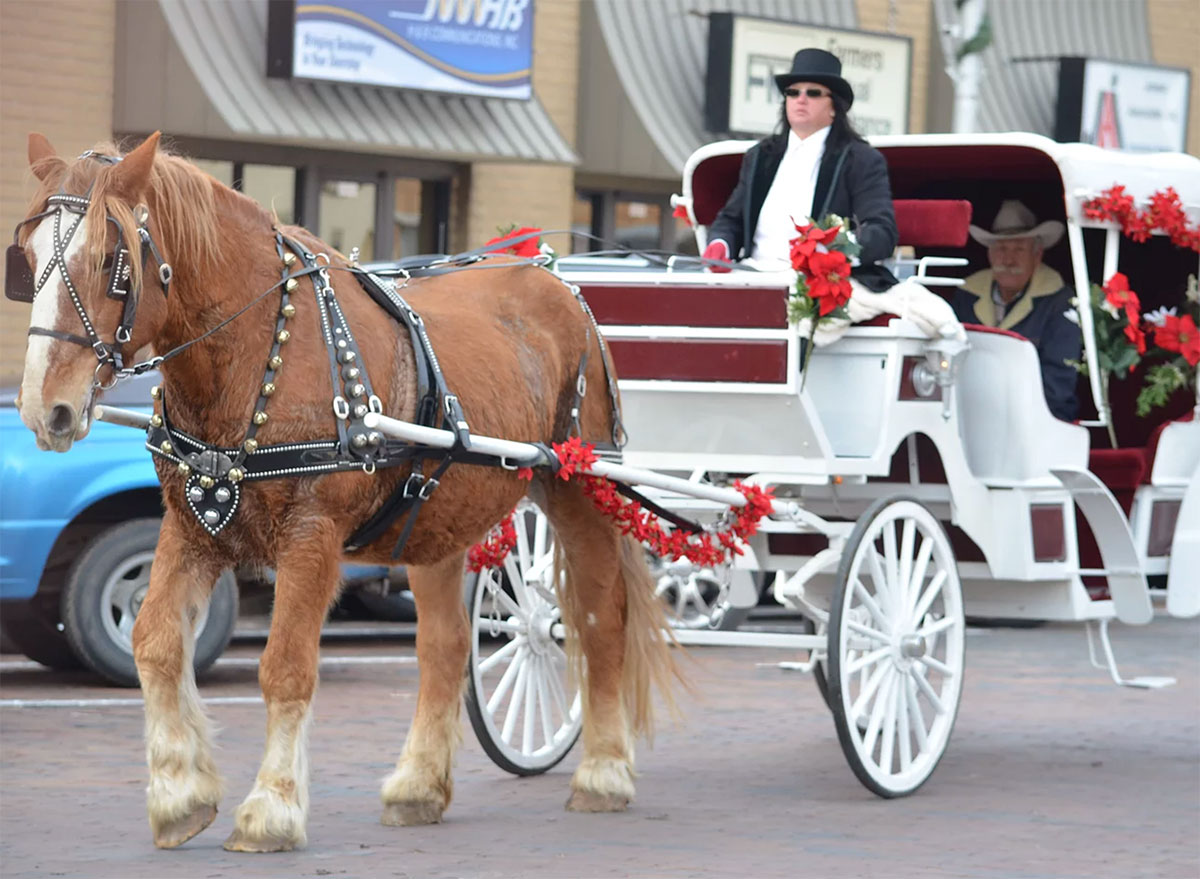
165 273
450 403
374 404
417 485
341 408
102 351
124 334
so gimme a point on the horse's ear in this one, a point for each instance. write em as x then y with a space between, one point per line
39 152
133 174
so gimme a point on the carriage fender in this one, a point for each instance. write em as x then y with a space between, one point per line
1183 579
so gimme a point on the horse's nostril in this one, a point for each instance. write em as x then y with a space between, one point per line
61 420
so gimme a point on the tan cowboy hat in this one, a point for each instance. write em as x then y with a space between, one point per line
1014 220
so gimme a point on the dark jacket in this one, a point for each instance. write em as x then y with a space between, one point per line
1039 316
861 193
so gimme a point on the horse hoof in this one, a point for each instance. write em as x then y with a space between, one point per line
586 801
176 833
240 842
412 813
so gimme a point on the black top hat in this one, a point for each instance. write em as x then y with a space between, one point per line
817 65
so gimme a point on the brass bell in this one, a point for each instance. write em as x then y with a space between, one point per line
251 446
156 420
289 258
282 336
260 417
184 468
268 389
288 310
235 475
156 392
275 362
357 390
166 448
291 284
207 482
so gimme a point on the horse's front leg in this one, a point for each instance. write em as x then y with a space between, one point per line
274 814
419 789
184 788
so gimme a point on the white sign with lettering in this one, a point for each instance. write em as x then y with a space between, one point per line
1132 107
878 68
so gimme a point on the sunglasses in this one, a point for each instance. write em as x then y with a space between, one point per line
812 93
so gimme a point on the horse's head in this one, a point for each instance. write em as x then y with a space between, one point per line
78 257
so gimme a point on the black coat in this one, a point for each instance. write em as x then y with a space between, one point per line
861 193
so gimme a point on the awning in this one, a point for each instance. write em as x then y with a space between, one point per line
223 46
1019 88
659 51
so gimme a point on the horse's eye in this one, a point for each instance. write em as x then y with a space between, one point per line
107 264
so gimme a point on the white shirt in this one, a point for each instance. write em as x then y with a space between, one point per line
789 200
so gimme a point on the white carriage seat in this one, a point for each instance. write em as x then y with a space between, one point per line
1008 432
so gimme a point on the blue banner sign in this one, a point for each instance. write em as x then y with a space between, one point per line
472 47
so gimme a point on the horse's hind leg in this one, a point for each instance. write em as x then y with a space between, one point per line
609 603
274 814
419 789
184 787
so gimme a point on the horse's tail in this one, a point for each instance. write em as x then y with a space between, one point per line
649 661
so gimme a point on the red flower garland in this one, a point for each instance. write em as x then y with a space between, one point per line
707 549
1165 212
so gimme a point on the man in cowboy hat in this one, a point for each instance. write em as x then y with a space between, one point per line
817 165
1021 294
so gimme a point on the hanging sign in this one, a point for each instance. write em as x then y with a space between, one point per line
1139 108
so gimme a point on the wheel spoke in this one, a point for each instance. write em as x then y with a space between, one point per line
927 689
531 694
516 579
875 565
543 689
903 732
867 631
887 746
541 543
935 627
509 605
506 680
867 691
514 704
891 568
936 665
927 598
558 653
486 665
559 695
869 603
867 659
522 529
914 712
877 711
903 580
917 578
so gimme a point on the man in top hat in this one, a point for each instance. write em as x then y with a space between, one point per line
817 165
1022 294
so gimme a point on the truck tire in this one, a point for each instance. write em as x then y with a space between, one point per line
34 631
105 589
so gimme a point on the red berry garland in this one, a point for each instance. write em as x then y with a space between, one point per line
1165 212
706 549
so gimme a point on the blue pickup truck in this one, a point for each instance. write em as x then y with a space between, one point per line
77 536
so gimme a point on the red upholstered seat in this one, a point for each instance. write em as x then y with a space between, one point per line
996 331
932 222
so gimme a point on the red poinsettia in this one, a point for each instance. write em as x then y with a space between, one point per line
527 248
806 243
1165 212
1135 335
829 280
1118 294
1179 334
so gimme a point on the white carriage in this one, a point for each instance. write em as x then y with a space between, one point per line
917 480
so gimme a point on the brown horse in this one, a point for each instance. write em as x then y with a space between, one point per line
509 340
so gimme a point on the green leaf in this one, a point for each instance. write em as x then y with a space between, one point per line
1162 381
979 42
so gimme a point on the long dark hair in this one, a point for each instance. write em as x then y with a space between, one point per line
841 132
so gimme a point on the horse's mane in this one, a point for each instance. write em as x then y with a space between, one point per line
182 200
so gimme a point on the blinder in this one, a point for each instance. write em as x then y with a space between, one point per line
20 285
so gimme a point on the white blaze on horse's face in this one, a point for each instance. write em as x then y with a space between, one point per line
56 390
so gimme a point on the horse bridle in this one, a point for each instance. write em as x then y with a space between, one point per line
20 286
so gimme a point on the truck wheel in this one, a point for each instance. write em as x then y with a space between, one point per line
34 631
105 589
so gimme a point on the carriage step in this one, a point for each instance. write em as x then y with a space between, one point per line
1143 682
1118 554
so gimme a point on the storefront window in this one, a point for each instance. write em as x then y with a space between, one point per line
406 211
222 171
347 212
272 186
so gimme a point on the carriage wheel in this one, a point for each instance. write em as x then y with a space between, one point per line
524 709
896 634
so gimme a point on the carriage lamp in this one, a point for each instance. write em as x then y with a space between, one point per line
943 357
